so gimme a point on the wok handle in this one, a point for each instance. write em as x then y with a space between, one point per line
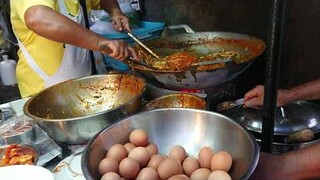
182 26
168 31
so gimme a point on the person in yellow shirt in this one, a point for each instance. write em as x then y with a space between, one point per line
54 43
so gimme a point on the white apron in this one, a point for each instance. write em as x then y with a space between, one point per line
75 62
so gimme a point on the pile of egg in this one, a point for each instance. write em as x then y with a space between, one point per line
140 160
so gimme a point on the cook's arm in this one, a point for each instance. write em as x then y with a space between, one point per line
299 164
57 27
307 91
119 20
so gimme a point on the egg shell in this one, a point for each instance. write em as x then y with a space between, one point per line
129 147
141 155
117 151
111 176
155 161
152 149
202 173
222 160
139 137
108 165
219 175
148 173
129 168
179 177
204 156
169 167
178 152
189 165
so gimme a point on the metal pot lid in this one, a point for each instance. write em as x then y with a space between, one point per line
289 119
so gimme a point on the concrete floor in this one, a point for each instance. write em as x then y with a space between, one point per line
9 93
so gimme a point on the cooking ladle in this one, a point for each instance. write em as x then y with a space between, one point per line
142 44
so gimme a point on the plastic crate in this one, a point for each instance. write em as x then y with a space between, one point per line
147 31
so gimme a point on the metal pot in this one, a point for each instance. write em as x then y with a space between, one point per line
190 128
201 43
177 100
289 120
73 111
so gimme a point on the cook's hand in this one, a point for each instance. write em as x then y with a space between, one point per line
254 98
120 22
117 49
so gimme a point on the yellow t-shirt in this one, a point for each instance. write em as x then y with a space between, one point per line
46 53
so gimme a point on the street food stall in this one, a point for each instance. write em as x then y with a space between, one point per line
180 116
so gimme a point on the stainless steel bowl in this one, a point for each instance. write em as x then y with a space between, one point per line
25 149
177 100
74 111
190 128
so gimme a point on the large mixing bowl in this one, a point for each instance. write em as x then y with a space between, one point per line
190 128
74 111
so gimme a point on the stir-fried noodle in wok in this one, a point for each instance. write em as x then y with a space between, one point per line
182 60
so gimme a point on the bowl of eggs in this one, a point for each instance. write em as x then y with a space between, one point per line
173 143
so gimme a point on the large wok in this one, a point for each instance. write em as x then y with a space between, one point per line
201 43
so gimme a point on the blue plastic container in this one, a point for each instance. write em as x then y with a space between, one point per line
147 31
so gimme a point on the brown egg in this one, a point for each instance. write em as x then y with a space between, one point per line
111 176
202 173
117 151
108 165
189 165
155 161
152 149
141 155
222 160
129 168
169 167
204 156
139 137
129 146
179 177
178 152
148 173
219 175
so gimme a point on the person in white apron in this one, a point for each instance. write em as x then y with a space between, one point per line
75 62
41 20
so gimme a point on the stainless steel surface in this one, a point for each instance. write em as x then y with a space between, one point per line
229 104
155 92
142 44
27 136
190 128
73 111
176 100
202 43
217 61
279 145
289 119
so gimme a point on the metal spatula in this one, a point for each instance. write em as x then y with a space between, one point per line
142 44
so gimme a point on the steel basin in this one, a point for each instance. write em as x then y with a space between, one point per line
191 128
74 111
177 100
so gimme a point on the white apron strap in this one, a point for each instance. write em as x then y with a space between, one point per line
31 62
